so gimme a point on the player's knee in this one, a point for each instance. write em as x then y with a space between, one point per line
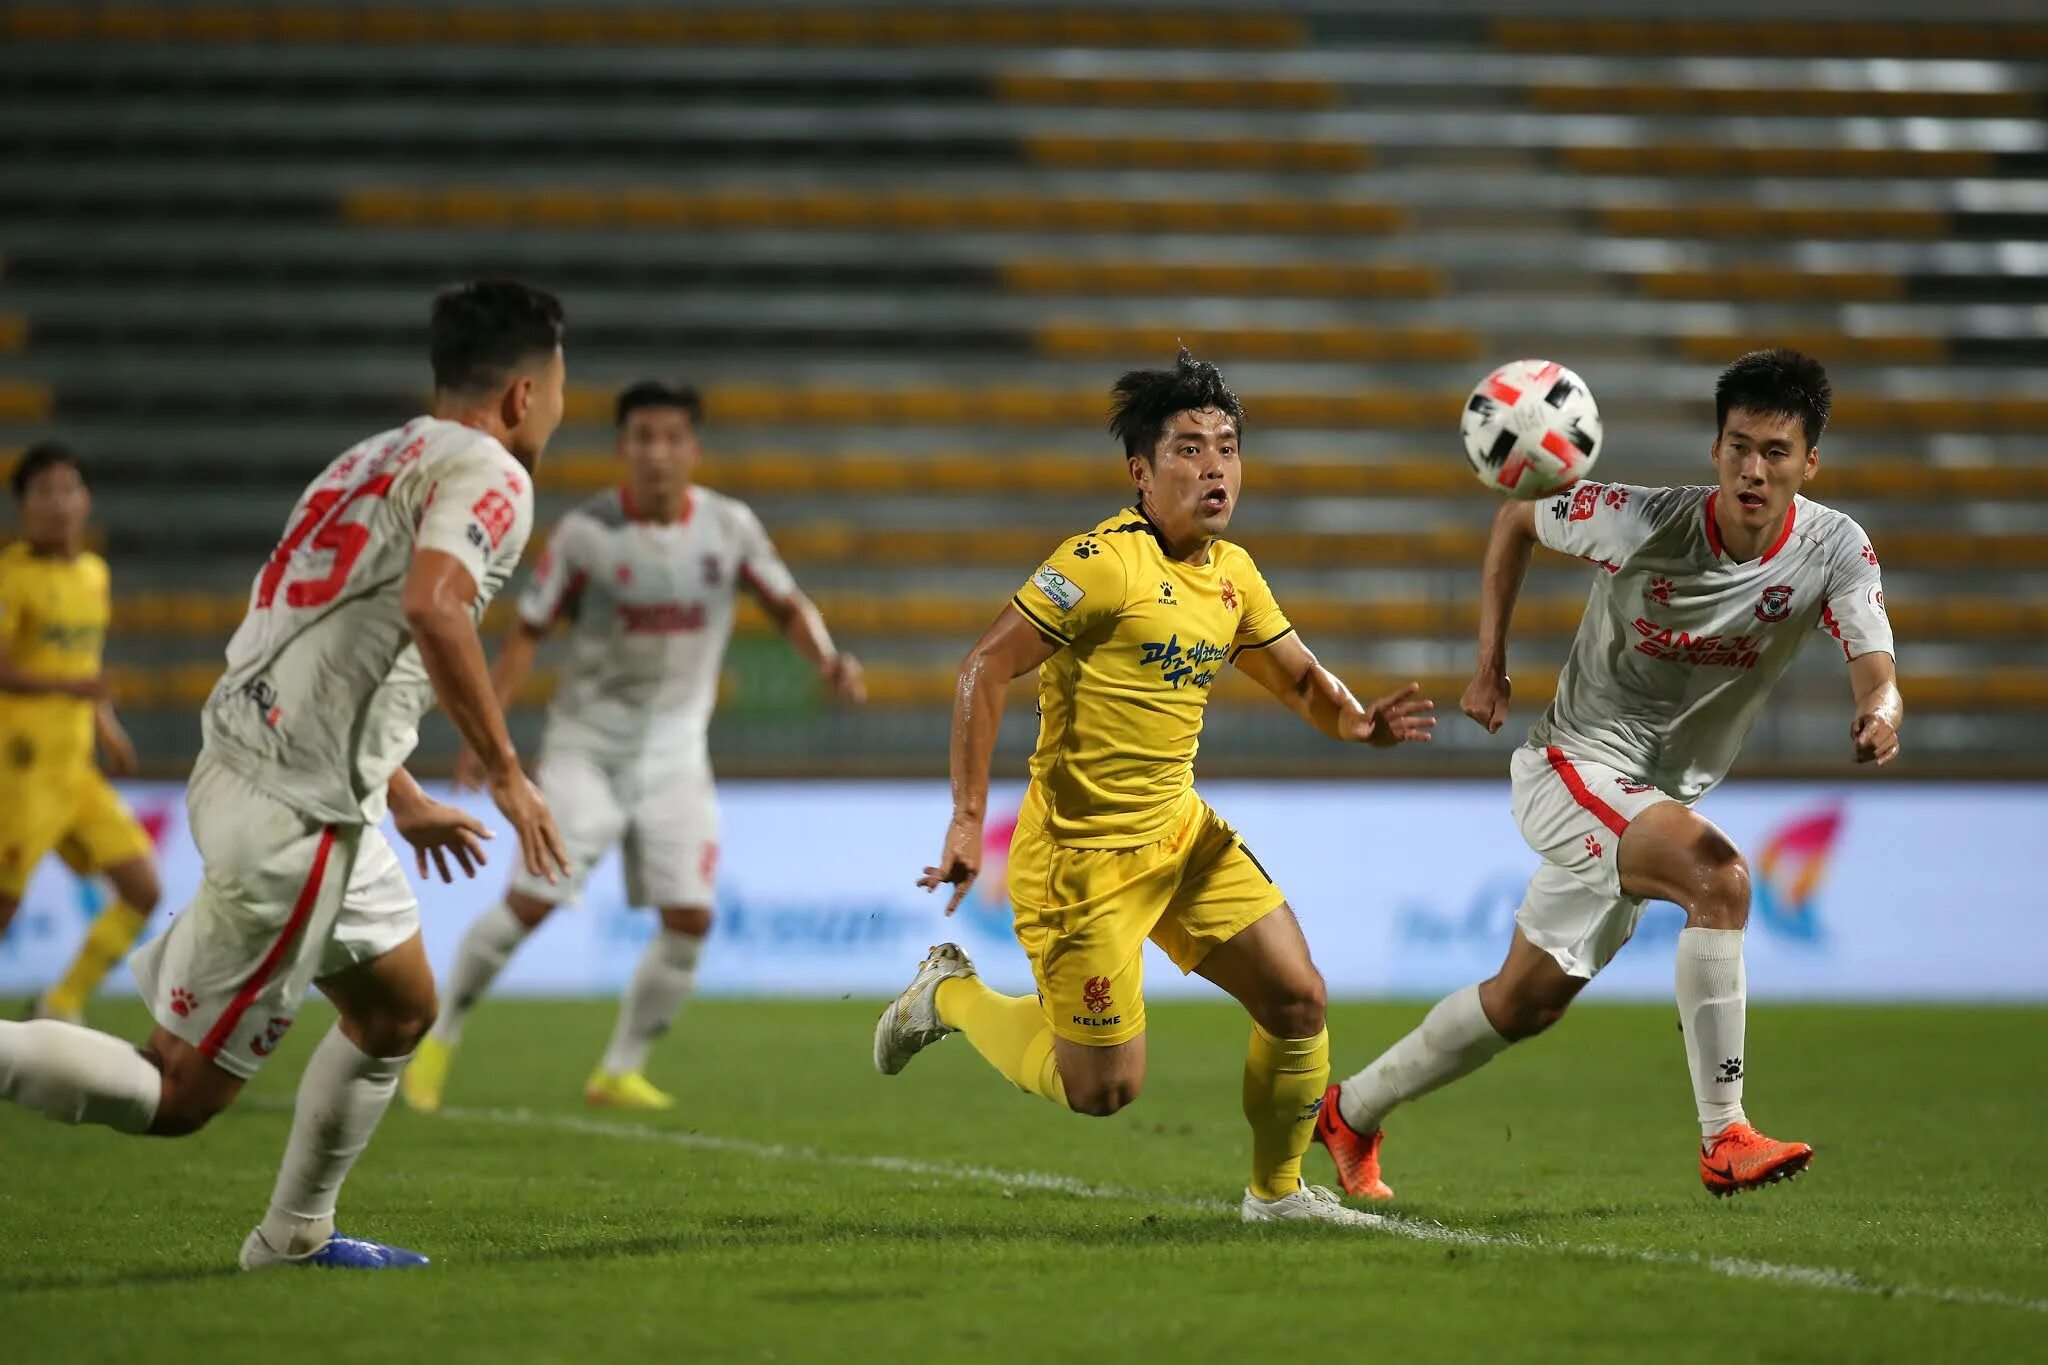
1723 900
691 921
1526 1019
394 1031
1517 1010
1099 1097
1296 1007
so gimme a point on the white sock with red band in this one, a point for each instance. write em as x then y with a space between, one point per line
1453 1040
75 1075
342 1096
1713 1001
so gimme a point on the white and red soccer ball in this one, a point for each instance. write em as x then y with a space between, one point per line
1530 428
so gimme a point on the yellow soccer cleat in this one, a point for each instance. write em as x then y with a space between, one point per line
426 1075
631 1090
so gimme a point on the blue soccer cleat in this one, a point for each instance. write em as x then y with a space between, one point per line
336 1253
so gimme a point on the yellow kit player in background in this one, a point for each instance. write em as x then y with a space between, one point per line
1128 627
53 706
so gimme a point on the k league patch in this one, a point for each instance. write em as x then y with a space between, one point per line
1065 594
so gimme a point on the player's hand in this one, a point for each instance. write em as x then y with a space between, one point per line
959 860
1401 717
1877 740
119 752
441 831
845 680
1486 699
519 801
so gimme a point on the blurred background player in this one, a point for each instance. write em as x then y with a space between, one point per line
1128 626
364 615
648 577
1703 598
54 611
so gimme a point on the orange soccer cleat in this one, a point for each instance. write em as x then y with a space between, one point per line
1740 1158
1356 1154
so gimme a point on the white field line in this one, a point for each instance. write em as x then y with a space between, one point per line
1733 1267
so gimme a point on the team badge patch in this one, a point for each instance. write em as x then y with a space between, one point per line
1585 501
1095 995
1062 590
1775 604
494 513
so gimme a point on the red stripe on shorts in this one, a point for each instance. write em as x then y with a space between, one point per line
1582 793
302 910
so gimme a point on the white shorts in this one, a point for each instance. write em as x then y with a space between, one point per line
1573 812
285 901
666 823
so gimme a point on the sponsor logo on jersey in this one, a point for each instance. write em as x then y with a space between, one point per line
1869 555
1671 645
1190 666
1659 590
1775 604
661 618
182 1002
1630 787
1166 595
1617 497
1585 501
495 513
1087 549
59 635
1593 846
1061 590
714 571
1875 597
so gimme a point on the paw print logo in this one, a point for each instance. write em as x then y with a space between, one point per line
1087 549
1731 1070
1659 590
182 1001
1869 555
1593 846
1617 497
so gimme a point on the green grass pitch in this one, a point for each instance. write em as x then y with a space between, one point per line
796 1206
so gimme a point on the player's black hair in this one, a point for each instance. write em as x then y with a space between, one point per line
1144 401
1779 383
657 393
484 330
39 457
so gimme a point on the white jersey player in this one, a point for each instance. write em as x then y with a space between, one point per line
647 579
364 614
1701 598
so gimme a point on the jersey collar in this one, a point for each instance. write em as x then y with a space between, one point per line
1714 529
682 516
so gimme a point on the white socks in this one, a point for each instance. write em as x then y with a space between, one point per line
1453 1040
74 1075
661 983
487 946
342 1095
1713 996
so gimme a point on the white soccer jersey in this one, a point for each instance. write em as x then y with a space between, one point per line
1680 645
324 687
651 606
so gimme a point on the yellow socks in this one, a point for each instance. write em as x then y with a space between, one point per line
1283 1080
1010 1032
112 934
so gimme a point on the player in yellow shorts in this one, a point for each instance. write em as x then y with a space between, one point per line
1128 626
53 625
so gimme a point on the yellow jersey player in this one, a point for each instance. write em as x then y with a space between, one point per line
1128 626
53 706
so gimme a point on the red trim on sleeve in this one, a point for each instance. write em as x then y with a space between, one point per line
1583 794
302 910
1827 618
760 589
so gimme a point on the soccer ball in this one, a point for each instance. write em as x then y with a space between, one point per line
1531 428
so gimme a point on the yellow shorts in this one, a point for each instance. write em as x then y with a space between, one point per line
1083 915
74 814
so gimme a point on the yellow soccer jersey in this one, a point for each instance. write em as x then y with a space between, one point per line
53 624
1120 707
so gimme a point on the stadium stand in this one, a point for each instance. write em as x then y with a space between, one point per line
906 250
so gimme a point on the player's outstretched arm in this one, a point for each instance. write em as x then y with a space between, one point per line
1500 583
1879 707
1011 648
1291 672
803 625
508 675
439 601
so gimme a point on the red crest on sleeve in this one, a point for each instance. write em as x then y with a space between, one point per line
495 513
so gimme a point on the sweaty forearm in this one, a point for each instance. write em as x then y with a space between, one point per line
454 658
1500 583
977 718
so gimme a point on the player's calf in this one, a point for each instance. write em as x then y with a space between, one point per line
1100 1081
194 1089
